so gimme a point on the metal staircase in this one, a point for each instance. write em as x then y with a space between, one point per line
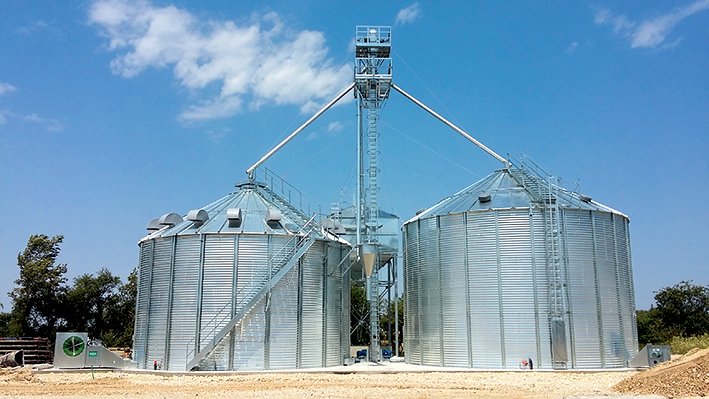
545 190
232 314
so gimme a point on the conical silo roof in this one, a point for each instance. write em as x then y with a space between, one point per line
509 188
251 209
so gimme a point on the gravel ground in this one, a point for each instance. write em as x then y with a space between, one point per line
528 385
387 380
686 376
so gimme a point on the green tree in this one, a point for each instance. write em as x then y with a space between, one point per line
359 315
40 289
388 320
650 328
88 301
4 324
684 308
120 314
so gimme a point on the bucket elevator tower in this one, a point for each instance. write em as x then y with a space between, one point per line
372 78
371 86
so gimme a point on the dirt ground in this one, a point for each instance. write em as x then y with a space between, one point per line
685 376
688 377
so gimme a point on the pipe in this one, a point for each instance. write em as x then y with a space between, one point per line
290 137
360 174
396 307
452 126
13 359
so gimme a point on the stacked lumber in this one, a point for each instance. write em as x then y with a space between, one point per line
36 350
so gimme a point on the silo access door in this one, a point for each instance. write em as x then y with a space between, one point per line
559 354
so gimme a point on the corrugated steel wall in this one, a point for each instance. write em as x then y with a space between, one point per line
333 313
477 289
484 290
185 296
185 281
283 326
140 336
454 298
159 299
412 320
217 285
311 298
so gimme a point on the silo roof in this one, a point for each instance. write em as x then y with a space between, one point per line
260 211
505 189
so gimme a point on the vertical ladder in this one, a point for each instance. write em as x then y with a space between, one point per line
544 188
373 152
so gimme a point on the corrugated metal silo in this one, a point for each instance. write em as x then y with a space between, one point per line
514 268
246 283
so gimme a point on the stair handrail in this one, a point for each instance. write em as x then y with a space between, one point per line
287 193
213 324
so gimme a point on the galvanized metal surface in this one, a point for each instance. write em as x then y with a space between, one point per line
477 285
187 275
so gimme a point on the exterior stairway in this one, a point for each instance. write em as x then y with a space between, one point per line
280 264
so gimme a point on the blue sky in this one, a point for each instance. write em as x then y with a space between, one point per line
113 113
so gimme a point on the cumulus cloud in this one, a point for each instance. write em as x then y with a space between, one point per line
251 64
6 88
408 15
652 32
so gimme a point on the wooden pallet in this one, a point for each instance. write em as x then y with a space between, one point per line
36 350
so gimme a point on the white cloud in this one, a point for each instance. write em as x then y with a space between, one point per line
620 23
48 124
572 47
216 136
335 127
252 64
652 32
6 88
212 109
312 136
408 15
34 27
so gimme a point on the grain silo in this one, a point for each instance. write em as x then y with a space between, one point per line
514 267
245 283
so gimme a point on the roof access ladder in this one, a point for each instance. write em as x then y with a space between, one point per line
545 190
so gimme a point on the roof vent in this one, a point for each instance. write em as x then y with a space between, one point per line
485 197
273 219
333 226
170 219
273 215
584 198
154 225
197 217
234 215
339 228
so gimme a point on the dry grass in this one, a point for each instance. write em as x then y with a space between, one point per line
682 345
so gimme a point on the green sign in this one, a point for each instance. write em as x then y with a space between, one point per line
93 353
